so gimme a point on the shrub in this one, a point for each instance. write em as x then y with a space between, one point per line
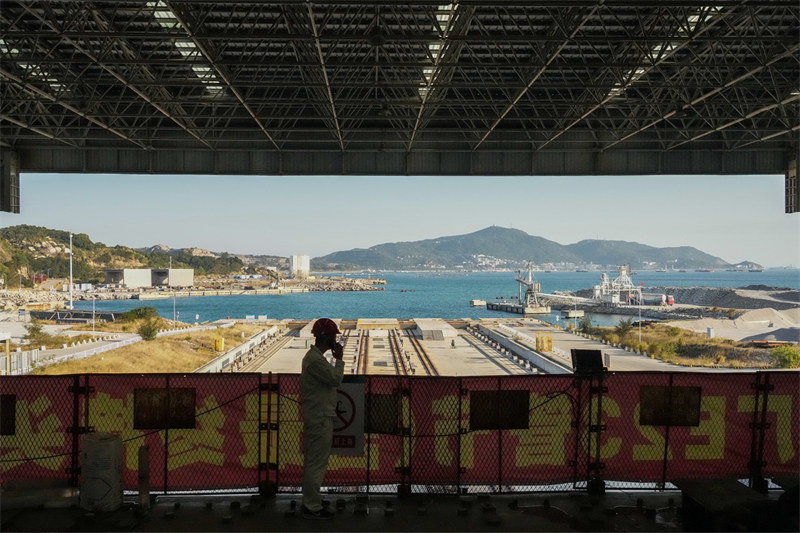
585 325
624 327
139 313
786 356
35 333
673 331
148 329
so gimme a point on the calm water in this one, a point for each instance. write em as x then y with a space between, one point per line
424 295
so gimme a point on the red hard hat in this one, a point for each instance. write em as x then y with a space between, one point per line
324 326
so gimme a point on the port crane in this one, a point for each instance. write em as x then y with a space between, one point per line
532 288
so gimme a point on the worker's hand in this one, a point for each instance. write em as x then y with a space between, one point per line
337 350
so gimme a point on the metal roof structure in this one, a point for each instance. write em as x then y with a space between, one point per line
567 87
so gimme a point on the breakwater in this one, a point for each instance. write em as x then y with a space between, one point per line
165 295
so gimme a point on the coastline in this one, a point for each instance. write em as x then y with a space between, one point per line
406 295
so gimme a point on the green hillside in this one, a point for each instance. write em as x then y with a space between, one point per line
29 250
633 253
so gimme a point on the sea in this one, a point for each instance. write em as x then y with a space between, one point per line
446 295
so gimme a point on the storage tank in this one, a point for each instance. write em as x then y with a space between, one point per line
101 472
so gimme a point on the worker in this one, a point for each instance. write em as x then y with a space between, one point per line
318 383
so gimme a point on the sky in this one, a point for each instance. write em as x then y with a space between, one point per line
736 218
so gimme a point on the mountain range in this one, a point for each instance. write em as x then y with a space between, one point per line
498 247
26 251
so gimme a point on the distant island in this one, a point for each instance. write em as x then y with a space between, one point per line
498 248
30 251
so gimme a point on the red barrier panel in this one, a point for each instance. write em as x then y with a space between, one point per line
718 447
35 440
230 431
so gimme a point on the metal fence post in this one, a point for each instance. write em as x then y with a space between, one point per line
665 458
74 467
594 481
166 438
368 413
404 394
577 418
460 469
758 428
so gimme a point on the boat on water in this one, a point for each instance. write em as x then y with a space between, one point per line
755 270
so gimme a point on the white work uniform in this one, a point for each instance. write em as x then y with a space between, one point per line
318 383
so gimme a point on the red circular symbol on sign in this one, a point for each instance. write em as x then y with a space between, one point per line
345 411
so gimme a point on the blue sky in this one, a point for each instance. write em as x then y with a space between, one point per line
736 218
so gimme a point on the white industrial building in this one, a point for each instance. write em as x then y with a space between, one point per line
129 278
299 266
173 277
136 278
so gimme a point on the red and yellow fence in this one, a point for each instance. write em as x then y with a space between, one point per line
242 431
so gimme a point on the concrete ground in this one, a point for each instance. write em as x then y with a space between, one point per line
469 357
615 511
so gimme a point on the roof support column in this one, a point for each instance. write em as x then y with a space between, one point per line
793 184
9 181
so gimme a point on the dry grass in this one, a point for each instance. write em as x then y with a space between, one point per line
687 348
118 326
176 353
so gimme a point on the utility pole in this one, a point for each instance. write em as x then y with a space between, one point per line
174 314
70 270
640 326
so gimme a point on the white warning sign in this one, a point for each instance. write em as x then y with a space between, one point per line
348 424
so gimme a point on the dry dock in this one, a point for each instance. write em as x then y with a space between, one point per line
485 347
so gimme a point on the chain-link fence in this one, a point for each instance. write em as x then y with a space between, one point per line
242 432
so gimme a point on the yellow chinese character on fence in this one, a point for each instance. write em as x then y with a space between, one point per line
249 429
712 428
543 443
781 406
286 439
115 415
39 435
447 416
203 444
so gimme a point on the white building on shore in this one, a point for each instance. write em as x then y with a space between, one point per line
137 278
299 266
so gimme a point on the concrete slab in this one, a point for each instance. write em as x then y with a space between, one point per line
555 512
465 354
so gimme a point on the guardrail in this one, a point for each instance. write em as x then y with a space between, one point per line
539 360
227 359
23 362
